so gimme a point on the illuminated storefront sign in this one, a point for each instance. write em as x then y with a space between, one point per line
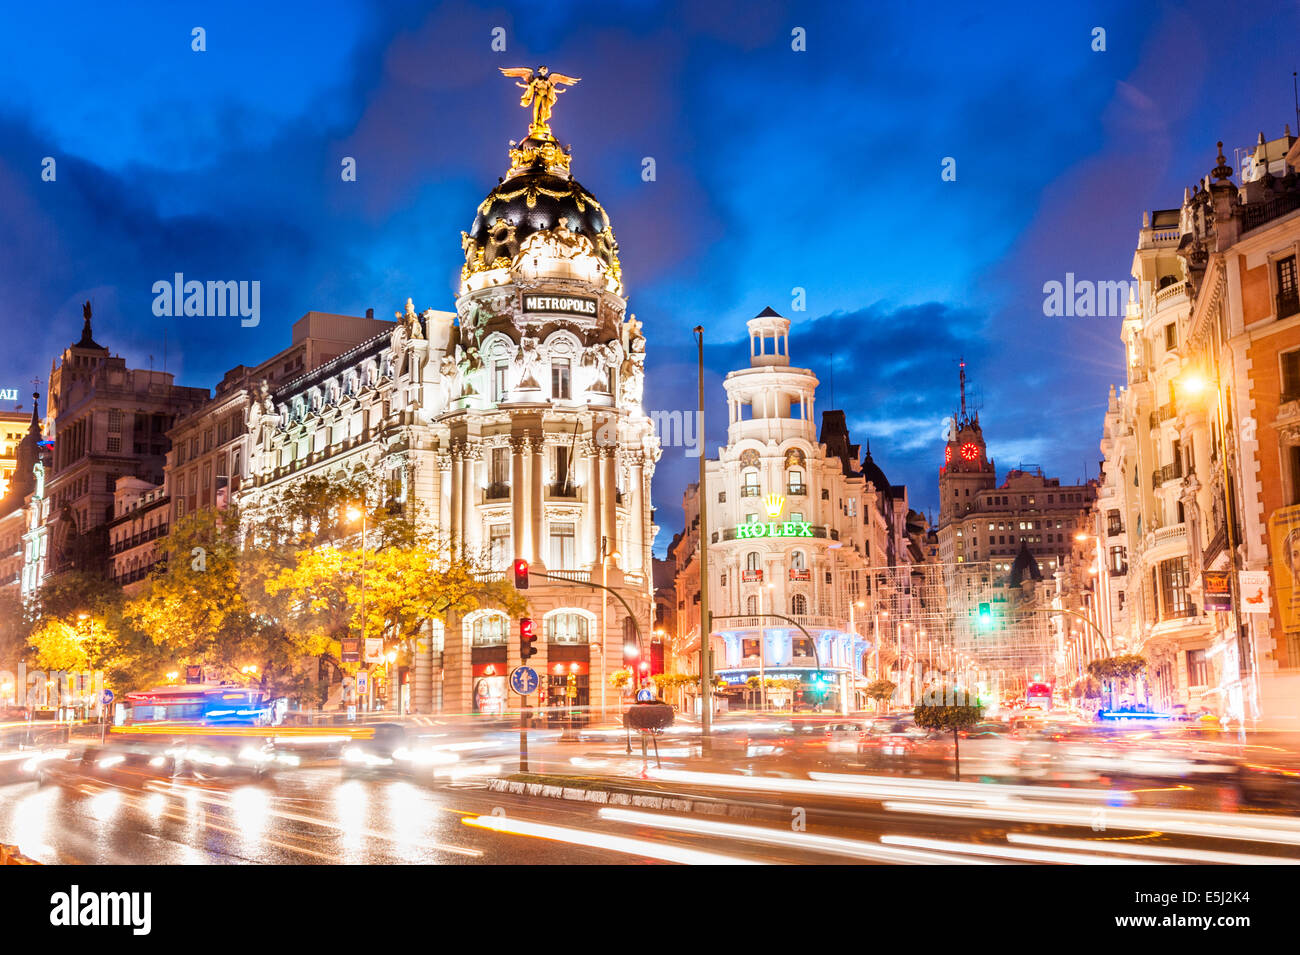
774 529
572 304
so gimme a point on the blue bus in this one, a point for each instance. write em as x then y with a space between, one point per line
206 703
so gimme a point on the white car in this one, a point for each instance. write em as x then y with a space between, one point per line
844 737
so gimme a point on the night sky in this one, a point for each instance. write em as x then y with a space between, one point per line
775 170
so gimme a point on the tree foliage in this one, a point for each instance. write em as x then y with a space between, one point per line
1123 667
947 708
881 690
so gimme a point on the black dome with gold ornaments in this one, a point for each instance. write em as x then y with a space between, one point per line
537 194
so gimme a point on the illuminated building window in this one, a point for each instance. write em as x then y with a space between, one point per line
568 628
499 546
488 630
499 389
560 379
562 546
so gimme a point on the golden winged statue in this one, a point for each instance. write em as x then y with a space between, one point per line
540 88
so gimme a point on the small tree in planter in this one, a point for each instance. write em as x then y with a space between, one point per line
948 708
881 690
1124 667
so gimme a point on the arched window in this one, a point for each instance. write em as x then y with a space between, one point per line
751 560
798 561
567 628
794 482
749 483
488 630
751 605
799 605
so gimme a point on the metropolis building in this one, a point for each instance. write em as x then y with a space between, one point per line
513 426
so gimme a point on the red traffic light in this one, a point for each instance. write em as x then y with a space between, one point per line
521 574
526 638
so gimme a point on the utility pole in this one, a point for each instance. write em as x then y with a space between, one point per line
706 620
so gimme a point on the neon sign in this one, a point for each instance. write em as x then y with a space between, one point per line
774 529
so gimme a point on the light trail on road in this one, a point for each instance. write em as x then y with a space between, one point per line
599 840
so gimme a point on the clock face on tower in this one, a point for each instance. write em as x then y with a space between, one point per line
970 452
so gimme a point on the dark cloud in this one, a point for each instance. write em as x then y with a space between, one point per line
775 170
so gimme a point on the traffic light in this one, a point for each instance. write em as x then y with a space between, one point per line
986 617
521 574
526 638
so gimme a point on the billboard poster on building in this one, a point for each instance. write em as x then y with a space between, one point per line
1253 585
490 695
1284 541
1217 588
374 650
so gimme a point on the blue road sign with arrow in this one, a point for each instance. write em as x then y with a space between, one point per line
523 680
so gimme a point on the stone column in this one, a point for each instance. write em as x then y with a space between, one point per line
467 496
636 517
518 495
457 492
609 500
442 519
473 525
535 515
593 501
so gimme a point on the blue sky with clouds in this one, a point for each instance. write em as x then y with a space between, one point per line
776 169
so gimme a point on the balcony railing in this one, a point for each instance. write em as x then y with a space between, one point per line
748 576
1288 304
796 490
801 575
561 489
1256 214
496 491
580 576
1180 613
1169 472
749 490
1166 535
1163 413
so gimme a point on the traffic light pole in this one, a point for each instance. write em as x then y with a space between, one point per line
1073 613
523 734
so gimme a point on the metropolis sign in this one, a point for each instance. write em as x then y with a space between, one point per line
774 529
569 304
